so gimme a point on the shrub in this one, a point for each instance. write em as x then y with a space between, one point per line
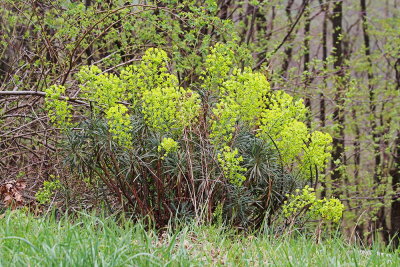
226 140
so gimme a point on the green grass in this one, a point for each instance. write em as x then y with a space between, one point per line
91 241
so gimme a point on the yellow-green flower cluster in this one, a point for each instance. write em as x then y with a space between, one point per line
247 90
149 88
218 64
106 92
291 140
305 200
282 120
44 194
149 74
279 112
240 98
317 152
119 124
331 209
230 163
225 116
170 108
168 145
165 105
59 110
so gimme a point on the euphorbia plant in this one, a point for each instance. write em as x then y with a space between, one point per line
227 139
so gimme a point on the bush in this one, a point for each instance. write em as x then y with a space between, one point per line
165 151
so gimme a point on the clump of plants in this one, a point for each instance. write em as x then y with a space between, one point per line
305 202
304 205
46 192
226 140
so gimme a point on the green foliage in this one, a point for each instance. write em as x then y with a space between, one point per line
103 89
218 214
266 128
206 99
59 110
88 240
282 121
167 145
305 201
217 130
217 65
245 97
240 99
44 194
119 123
230 162
317 152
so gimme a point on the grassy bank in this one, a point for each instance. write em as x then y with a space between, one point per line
91 241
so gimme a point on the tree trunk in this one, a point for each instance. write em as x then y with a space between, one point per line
338 113
395 173
395 206
322 109
307 80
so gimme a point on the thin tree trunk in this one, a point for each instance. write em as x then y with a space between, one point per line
307 81
322 111
395 206
338 113
395 173
89 49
